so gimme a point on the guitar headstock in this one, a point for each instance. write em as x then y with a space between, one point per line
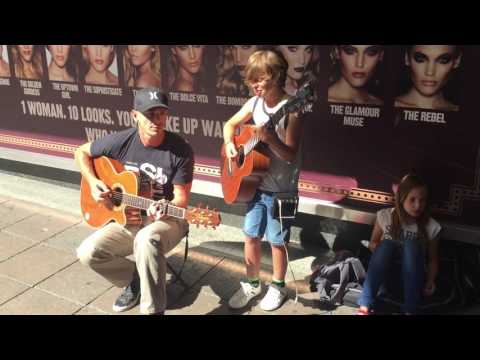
203 216
303 97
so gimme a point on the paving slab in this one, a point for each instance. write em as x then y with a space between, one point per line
42 192
11 212
37 302
9 289
76 283
196 302
36 264
345 310
10 245
70 238
90 311
221 281
40 227
196 266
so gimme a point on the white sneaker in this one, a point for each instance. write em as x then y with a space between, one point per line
274 298
243 295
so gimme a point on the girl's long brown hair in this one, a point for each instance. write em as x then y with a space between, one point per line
399 215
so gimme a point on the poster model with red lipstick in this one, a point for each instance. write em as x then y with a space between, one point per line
380 110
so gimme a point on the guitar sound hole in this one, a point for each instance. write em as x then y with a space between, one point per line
240 157
116 196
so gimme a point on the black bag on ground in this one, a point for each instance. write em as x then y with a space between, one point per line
339 281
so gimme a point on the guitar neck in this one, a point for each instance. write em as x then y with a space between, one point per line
144 203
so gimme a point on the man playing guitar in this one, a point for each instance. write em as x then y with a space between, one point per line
266 74
164 159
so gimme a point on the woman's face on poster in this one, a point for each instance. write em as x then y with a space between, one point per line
59 54
99 56
26 52
189 57
298 58
358 62
140 54
430 66
241 53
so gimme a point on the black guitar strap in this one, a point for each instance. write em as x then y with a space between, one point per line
255 104
178 274
185 255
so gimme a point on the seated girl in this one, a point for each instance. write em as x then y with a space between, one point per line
409 230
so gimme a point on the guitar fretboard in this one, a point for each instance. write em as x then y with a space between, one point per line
144 203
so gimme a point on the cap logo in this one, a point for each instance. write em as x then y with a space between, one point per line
153 95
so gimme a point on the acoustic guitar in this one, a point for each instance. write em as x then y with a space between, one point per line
124 187
241 176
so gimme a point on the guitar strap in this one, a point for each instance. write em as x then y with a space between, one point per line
255 103
285 124
177 275
185 255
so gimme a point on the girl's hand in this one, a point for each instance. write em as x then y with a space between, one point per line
230 150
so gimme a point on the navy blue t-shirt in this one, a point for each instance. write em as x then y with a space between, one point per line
167 164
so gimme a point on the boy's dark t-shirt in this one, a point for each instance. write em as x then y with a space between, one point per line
167 164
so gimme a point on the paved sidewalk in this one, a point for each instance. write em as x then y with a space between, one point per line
39 273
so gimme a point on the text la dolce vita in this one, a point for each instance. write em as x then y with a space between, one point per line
189 97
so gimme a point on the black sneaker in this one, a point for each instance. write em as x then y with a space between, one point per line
129 297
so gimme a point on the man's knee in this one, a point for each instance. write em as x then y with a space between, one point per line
85 253
90 256
149 241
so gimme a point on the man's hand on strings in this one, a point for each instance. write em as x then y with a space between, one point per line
157 211
100 191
